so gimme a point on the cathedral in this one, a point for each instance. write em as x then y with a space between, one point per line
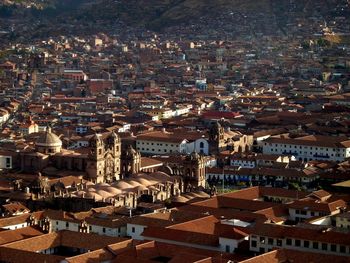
105 161
107 172
101 161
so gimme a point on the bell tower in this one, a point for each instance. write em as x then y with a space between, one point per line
216 138
95 166
194 170
131 162
112 157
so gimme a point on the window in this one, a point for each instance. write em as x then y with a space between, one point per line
270 241
67 224
133 229
297 242
279 242
90 228
227 249
289 242
315 245
254 243
104 230
333 247
306 243
262 240
56 223
324 246
201 145
342 249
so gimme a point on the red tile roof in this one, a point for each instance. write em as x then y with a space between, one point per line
288 255
181 236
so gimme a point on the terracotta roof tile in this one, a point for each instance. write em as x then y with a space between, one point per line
181 236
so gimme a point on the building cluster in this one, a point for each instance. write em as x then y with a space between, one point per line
167 149
250 225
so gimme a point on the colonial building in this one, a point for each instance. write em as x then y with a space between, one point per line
191 168
326 148
221 139
100 164
131 161
103 162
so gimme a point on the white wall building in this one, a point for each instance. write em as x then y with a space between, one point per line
309 148
161 146
163 143
200 146
134 231
268 238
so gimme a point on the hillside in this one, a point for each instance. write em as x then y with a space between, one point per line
234 16
262 16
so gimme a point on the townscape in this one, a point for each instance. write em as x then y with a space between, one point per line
130 144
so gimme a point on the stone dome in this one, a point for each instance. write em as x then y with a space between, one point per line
133 183
103 193
113 190
179 199
48 142
49 139
121 185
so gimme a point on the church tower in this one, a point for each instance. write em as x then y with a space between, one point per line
194 171
131 162
112 158
95 166
216 138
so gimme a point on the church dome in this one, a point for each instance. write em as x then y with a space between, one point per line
49 139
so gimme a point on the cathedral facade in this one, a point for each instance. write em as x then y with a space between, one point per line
101 163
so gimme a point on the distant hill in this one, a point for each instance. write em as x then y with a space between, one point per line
259 15
159 14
